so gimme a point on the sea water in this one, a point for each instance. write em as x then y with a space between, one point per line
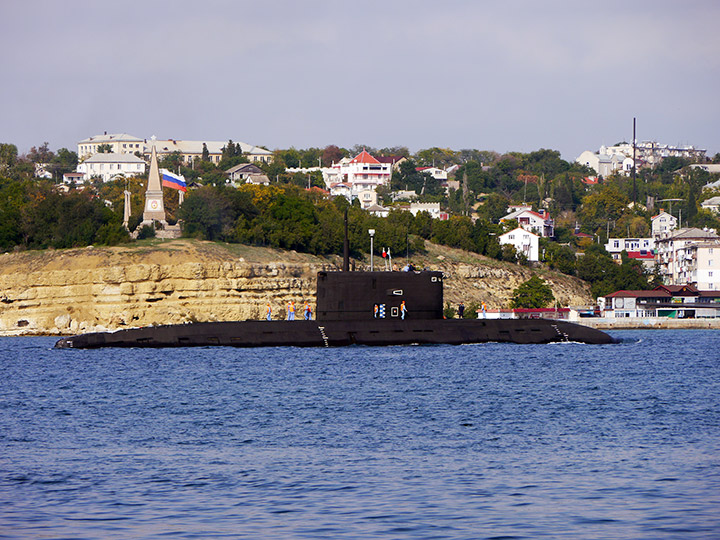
477 441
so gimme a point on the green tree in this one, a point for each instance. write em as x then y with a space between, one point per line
212 212
64 161
608 203
534 293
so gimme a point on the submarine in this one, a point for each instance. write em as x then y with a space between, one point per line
354 308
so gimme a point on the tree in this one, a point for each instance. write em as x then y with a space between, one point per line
608 203
104 149
532 294
332 154
495 207
205 153
171 161
65 161
211 213
41 154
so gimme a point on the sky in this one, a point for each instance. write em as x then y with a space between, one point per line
513 75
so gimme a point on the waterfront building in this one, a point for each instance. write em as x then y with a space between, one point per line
689 256
671 301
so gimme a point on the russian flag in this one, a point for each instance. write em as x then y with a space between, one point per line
174 181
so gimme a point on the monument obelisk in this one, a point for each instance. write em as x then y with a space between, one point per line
154 208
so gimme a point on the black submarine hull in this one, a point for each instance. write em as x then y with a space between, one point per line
378 332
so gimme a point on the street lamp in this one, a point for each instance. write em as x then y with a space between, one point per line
371 232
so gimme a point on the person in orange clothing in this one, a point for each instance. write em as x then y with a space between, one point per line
291 311
403 310
269 312
308 311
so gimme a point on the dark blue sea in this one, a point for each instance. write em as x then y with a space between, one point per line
493 441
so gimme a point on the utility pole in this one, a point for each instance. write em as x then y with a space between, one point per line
634 168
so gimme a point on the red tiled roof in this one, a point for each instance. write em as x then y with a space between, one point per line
364 157
709 294
640 255
675 289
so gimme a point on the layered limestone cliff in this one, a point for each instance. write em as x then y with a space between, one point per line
80 290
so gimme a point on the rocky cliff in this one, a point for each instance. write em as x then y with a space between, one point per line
79 290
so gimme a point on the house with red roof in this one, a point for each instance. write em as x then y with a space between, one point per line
536 222
639 249
361 173
663 224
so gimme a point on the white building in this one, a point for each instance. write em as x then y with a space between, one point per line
118 143
704 265
712 204
379 211
615 246
603 164
361 173
191 151
367 199
340 189
620 157
122 143
436 173
73 178
686 255
431 208
712 168
663 224
536 222
523 241
242 172
111 166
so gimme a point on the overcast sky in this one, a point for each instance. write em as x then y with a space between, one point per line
503 75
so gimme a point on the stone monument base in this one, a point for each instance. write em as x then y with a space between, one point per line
167 231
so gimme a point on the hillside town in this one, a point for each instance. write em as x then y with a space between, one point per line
649 209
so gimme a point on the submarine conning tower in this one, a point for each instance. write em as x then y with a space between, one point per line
352 296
